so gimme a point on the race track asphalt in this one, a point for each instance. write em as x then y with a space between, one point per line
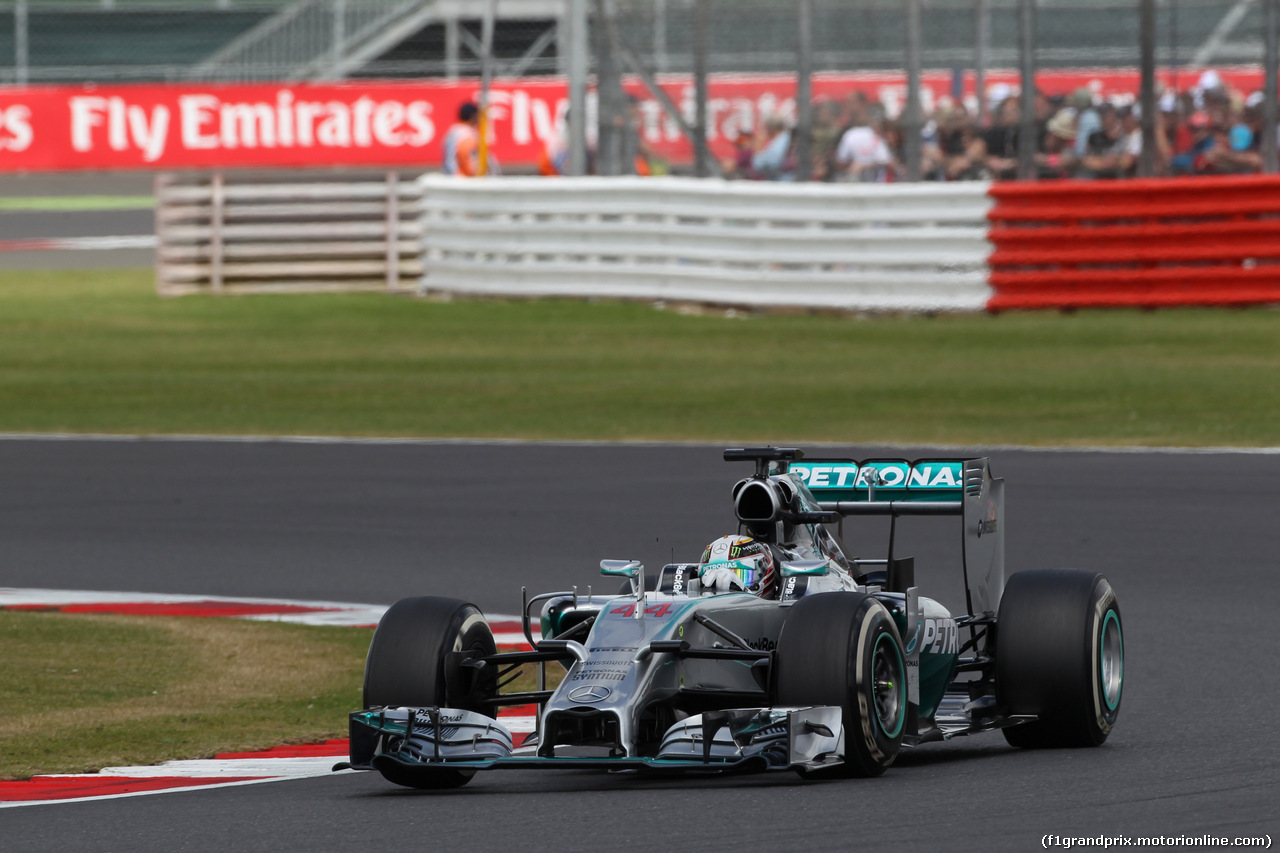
1189 541
35 224
42 225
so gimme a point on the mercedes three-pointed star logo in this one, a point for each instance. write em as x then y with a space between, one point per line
589 693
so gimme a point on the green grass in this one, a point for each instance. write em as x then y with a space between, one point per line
80 202
80 692
100 352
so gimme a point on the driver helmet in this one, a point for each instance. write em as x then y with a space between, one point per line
738 563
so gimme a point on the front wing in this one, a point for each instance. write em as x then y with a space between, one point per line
429 740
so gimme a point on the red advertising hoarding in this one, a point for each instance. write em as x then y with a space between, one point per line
191 126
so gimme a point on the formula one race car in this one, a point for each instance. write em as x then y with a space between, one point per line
775 652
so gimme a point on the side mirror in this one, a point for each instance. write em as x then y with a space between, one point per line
632 569
621 568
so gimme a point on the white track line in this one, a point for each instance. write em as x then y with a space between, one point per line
13 804
55 244
211 768
324 613
318 612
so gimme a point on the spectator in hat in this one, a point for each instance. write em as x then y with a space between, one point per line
1088 119
997 94
1192 159
1057 159
772 160
1208 89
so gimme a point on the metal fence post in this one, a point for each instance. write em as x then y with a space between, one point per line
1269 70
339 45
452 47
21 59
804 90
1147 96
660 60
982 43
579 61
609 109
911 118
486 78
701 23
1027 126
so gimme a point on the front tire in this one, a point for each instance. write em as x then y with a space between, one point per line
414 661
843 649
1059 656
413 658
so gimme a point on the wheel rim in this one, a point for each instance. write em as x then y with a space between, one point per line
1111 653
887 686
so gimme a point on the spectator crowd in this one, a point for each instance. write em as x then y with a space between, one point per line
1206 130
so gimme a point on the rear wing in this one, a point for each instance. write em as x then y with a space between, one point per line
896 487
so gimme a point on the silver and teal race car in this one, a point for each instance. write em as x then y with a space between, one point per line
829 671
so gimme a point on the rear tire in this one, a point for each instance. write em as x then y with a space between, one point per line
414 662
843 649
1060 656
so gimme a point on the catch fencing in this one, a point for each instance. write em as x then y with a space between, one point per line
222 236
907 69
850 246
69 41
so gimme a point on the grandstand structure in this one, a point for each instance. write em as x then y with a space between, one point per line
77 41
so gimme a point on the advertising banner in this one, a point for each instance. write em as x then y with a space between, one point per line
392 124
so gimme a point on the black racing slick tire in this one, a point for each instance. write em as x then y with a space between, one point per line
1060 657
414 661
843 649
412 658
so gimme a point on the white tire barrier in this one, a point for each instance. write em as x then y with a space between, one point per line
878 247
